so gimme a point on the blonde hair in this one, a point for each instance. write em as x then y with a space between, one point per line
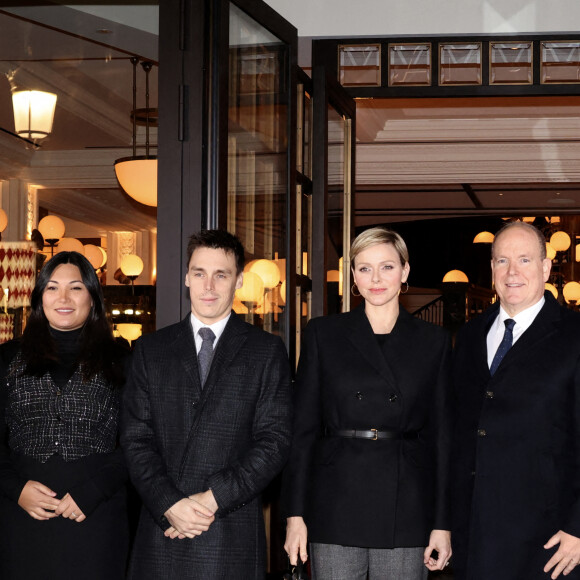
379 235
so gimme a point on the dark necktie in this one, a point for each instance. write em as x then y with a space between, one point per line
505 344
205 352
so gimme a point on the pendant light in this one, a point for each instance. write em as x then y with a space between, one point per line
137 175
33 113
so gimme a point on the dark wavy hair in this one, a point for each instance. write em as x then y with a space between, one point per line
218 240
98 352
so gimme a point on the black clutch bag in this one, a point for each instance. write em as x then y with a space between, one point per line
297 572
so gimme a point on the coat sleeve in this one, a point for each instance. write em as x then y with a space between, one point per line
146 465
11 483
242 480
443 429
307 426
101 484
572 524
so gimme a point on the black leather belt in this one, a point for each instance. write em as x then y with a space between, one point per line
372 434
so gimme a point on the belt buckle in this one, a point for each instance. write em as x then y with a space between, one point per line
376 432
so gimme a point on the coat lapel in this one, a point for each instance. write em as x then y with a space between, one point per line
230 342
360 334
541 330
185 352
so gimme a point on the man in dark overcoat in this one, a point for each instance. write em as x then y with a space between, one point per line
517 430
206 427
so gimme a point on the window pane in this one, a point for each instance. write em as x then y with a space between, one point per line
560 62
511 63
360 66
460 64
409 64
257 166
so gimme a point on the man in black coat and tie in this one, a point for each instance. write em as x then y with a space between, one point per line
206 427
516 376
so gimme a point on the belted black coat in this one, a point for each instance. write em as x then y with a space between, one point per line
516 459
232 436
355 492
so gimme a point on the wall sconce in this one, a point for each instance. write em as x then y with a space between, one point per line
51 228
455 276
71 245
95 255
33 113
483 238
571 292
137 175
132 266
560 241
130 331
3 222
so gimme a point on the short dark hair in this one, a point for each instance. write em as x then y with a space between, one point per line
218 240
97 343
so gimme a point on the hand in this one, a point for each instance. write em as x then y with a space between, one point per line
189 517
439 540
567 556
296 539
68 508
35 499
206 499
172 533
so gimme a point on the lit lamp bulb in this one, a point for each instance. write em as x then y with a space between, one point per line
552 289
94 255
129 330
71 245
3 221
268 271
132 266
252 289
550 252
560 241
51 228
571 292
455 276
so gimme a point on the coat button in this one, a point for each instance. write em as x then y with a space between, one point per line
393 398
194 404
482 432
359 395
489 395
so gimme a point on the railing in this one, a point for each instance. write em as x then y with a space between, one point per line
432 311
456 306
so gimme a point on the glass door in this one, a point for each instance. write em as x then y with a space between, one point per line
333 170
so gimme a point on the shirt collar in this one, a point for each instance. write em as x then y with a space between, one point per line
217 327
525 317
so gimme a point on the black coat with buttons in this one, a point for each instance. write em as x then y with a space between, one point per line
358 492
516 466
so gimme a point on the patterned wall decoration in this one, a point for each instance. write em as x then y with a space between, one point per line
17 273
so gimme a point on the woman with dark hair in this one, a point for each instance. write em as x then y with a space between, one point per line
62 477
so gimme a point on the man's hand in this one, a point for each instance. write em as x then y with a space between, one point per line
189 518
567 556
68 508
206 499
439 540
35 499
296 539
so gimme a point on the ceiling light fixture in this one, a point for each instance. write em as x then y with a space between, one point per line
33 113
137 175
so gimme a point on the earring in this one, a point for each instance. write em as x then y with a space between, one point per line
406 289
353 292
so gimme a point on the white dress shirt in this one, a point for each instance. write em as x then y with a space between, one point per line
523 320
217 328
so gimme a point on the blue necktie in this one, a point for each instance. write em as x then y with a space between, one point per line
205 353
505 344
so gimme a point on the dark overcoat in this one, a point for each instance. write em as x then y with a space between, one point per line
232 436
355 492
516 447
